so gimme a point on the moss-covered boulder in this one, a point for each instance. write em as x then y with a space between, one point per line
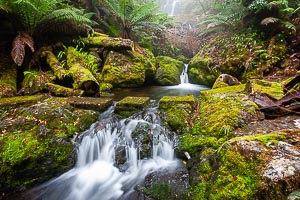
168 70
36 140
236 153
273 89
130 105
128 69
177 111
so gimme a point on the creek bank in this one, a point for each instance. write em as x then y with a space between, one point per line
234 155
36 137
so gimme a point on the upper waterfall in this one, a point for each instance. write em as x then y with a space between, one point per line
184 78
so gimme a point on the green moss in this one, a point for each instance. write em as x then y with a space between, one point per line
273 89
19 100
237 178
227 90
124 70
130 105
168 70
176 110
219 115
159 191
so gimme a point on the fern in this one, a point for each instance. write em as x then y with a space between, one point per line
136 16
39 16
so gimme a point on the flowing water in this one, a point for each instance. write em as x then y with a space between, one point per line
184 78
98 174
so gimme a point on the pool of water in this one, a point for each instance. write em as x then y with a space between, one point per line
156 92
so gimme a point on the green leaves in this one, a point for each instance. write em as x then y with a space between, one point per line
133 16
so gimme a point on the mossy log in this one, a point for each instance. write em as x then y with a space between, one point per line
83 77
55 65
58 90
109 43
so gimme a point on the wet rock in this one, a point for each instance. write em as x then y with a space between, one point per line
168 70
89 103
167 184
130 105
128 69
176 110
36 140
225 80
273 89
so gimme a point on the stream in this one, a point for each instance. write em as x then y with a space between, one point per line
115 156
100 173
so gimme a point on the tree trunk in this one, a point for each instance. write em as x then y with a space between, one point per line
59 90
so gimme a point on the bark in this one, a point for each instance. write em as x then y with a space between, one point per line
55 65
109 43
290 103
59 90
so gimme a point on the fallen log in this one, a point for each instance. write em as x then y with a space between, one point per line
289 103
55 65
61 91
109 43
83 77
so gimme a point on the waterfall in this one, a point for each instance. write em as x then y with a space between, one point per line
97 175
173 7
184 78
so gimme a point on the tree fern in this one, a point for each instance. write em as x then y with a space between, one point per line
37 16
133 16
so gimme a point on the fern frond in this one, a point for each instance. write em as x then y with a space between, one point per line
67 14
143 12
289 26
18 47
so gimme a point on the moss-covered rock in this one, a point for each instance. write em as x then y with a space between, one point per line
125 69
219 115
177 111
225 80
130 105
35 141
273 89
230 160
168 70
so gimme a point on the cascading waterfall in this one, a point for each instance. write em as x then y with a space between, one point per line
173 7
184 78
97 174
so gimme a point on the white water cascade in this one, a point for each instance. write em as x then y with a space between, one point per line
184 78
97 175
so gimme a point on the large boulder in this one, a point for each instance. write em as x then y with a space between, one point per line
36 137
128 69
176 110
168 70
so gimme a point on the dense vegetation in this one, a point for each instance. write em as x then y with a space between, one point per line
86 48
